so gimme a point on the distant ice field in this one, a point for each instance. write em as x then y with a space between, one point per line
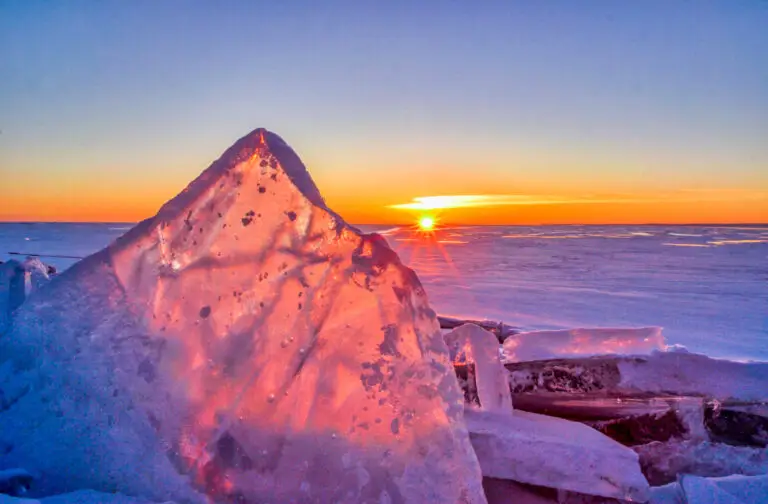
706 286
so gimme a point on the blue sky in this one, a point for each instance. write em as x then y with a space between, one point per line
385 101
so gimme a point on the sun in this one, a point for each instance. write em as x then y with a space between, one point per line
426 223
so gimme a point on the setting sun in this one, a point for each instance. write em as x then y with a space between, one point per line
426 223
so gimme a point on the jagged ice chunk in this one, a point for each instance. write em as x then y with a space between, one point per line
247 341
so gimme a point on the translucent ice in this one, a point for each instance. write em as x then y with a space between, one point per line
557 453
472 345
246 340
539 345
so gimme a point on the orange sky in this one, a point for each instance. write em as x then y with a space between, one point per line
111 199
370 184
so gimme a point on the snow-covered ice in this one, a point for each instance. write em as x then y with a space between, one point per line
685 373
243 343
538 345
735 489
81 497
11 290
15 481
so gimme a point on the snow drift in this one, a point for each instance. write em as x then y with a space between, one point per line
245 340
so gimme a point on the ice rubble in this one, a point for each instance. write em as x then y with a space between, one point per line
539 345
245 340
663 461
536 449
681 412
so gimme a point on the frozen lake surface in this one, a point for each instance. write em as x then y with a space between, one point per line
706 286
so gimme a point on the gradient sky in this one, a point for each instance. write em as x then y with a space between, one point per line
562 112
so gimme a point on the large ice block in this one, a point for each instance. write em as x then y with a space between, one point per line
246 340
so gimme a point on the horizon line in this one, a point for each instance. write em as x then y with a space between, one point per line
703 224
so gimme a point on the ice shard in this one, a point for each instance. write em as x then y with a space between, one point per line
472 346
245 343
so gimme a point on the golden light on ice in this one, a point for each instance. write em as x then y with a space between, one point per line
426 223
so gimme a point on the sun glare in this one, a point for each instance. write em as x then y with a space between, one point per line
426 223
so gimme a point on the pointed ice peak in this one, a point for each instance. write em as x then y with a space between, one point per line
259 175
258 150
263 141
